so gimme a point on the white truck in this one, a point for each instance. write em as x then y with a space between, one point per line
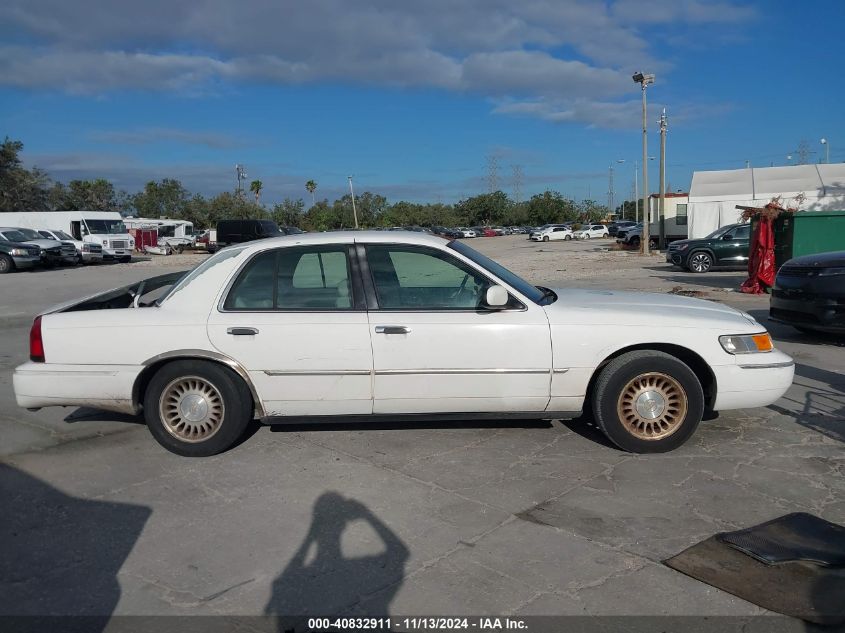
105 228
177 234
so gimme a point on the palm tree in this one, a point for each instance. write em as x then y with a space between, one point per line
311 186
255 187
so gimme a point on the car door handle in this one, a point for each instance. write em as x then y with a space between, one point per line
392 329
242 331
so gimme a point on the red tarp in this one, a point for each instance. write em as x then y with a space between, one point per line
761 259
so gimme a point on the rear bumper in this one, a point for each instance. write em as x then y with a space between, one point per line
756 380
106 387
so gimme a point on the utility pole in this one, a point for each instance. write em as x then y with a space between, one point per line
636 192
645 81
517 183
610 189
662 203
354 210
240 174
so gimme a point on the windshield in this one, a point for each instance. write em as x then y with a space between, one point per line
15 236
110 227
62 235
718 232
30 234
532 292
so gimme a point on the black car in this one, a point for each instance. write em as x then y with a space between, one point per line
613 227
238 231
809 293
726 246
17 256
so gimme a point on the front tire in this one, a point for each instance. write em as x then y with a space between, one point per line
635 242
196 408
700 262
568 237
647 402
545 238
7 265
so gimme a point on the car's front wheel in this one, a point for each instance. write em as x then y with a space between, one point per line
7 265
545 238
700 262
196 408
568 237
647 402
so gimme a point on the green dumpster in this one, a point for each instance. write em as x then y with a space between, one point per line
807 233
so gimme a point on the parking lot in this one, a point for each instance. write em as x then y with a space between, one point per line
473 518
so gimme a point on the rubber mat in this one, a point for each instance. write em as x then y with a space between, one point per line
800 589
792 537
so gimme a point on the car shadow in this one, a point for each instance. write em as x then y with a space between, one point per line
61 554
321 579
85 414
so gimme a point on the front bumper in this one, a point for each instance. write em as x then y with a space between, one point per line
808 310
756 380
91 258
26 262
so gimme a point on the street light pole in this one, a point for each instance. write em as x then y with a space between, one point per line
354 210
826 150
661 212
644 81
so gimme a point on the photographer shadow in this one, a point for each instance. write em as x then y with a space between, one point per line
320 581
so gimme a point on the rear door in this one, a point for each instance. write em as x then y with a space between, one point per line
295 318
436 349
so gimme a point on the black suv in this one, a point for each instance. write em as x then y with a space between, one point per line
809 293
727 246
237 231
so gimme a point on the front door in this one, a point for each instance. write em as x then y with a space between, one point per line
295 319
732 249
436 349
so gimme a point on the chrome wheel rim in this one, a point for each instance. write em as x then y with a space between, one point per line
700 262
191 409
652 406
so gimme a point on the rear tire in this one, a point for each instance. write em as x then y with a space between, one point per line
647 402
196 409
7 264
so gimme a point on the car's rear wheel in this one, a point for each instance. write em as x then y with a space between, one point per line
7 265
647 402
197 408
700 262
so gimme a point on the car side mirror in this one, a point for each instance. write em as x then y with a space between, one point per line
496 297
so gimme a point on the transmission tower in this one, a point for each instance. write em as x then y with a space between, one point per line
803 152
240 174
492 173
517 183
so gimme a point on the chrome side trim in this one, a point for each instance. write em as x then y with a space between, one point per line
318 372
560 371
220 358
769 365
405 372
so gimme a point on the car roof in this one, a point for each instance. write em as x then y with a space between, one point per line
349 237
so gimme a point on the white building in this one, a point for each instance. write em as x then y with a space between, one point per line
714 195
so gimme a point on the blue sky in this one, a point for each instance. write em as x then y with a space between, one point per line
412 98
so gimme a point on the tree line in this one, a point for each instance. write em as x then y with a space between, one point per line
23 189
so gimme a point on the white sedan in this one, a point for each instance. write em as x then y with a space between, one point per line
556 232
399 326
467 232
591 230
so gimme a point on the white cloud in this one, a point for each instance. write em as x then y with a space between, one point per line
577 55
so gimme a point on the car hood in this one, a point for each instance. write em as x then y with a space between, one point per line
44 244
820 260
612 307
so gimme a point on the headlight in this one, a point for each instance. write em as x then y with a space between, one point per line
19 252
747 343
131 242
828 272
105 242
683 247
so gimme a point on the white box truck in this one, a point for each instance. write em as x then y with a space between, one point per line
105 228
177 234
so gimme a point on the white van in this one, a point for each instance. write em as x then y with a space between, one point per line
105 228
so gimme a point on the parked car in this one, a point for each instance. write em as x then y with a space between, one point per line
391 324
467 232
589 231
552 233
484 231
809 293
86 252
725 247
517 230
51 252
239 231
633 236
622 231
541 229
614 227
17 256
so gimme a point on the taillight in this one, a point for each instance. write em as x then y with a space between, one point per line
36 345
